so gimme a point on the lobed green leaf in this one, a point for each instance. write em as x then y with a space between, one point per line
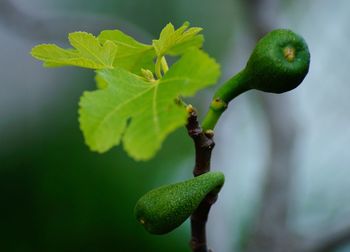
176 42
130 104
132 55
88 52
141 113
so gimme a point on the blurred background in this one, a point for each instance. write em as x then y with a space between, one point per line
285 157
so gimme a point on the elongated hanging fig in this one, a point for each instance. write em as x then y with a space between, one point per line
165 208
279 63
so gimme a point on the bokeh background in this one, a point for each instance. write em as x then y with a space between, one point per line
286 157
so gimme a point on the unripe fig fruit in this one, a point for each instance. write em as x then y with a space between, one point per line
279 62
165 208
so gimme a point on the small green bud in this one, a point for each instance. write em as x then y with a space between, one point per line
165 208
148 75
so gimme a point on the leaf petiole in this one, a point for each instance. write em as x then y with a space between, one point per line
161 66
164 65
158 68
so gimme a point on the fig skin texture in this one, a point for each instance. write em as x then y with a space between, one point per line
163 209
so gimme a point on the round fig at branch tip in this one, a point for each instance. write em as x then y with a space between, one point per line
279 62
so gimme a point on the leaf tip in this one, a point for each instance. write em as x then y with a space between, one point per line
37 48
186 24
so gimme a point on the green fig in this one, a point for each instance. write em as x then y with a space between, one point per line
279 63
163 209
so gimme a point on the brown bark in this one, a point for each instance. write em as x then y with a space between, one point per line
204 144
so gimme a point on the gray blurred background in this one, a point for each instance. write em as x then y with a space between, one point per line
286 157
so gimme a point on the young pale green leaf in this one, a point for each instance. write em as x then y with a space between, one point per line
132 55
176 42
141 113
88 52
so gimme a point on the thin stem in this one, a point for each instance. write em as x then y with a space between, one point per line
217 107
158 68
161 65
227 92
204 145
164 64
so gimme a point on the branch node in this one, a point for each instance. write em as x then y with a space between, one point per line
209 133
